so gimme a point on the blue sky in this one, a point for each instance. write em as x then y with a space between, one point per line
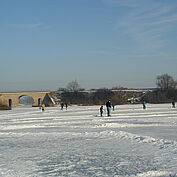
44 44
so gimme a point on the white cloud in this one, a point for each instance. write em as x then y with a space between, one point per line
164 20
30 25
147 23
146 26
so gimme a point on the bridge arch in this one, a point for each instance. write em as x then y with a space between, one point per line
10 103
26 100
11 99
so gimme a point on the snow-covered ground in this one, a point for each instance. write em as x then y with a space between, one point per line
78 142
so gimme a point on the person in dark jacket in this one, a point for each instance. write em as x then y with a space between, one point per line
144 104
62 105
66 104
108 106
101 111
113 107
173 104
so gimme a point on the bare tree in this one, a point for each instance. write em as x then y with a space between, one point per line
73 86
166 82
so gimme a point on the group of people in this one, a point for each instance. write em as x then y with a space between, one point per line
108 108
109 105
144 104
42 106
62 106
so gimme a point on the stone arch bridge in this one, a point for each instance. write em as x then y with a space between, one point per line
11 99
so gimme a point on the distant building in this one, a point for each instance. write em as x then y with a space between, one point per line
134 100
48 100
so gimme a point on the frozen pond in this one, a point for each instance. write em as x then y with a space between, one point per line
78 142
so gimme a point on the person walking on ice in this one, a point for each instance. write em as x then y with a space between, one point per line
108 106
144 104
66 104
43 107
113 107
101 111
173 104
62 105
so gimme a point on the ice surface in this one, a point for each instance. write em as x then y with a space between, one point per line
78 142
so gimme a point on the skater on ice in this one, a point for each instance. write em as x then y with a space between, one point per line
144 104
62 105
66 104
101 111
173 104
113 107
108 107
43 107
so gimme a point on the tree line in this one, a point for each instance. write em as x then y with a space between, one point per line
165 92
74 94
97 97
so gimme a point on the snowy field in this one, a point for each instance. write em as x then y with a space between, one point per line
79 143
